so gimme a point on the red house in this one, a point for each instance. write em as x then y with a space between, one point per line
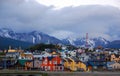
52 64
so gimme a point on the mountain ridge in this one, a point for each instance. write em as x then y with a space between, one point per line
6 42
92 42
32 37
36 37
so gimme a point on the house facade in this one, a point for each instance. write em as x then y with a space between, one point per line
52 64
115 57
113 65
74 65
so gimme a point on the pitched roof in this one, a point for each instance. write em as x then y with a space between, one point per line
75 59
117 55
69 60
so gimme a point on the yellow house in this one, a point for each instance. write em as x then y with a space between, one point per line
12 50
67 63
74 64
15 50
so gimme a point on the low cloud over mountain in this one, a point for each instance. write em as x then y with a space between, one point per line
28 15
10 37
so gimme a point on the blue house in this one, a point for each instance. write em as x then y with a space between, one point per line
97 60
109 67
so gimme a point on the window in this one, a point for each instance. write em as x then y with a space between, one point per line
69 62
77 62
54 62
45 62
60 62
61 68
22 57
45 59
50 62
42 67
57 68
48 67
54 68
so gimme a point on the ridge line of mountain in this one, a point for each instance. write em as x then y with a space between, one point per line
39 37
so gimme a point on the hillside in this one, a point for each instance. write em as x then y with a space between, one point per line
6 42
114 44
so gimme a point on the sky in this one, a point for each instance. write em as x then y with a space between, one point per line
64 3
63 18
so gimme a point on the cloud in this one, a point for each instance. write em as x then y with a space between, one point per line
63 34
58 4
25 16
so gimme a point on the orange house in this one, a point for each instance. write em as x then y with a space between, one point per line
52 64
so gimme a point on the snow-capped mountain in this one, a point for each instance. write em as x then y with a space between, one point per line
39 37
69 40
32 37
5 32
92 42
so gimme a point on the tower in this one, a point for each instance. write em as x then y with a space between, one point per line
86 40
9 47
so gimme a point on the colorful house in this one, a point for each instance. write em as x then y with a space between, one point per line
97 61
113 65
33 64
74 64
11 57
53 63
115 57
25 57
67 64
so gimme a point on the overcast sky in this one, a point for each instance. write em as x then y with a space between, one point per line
63 18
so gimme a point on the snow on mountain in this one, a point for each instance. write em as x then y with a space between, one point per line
39 37
101 41
92 42
5 32
71 40
33 40
32 37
